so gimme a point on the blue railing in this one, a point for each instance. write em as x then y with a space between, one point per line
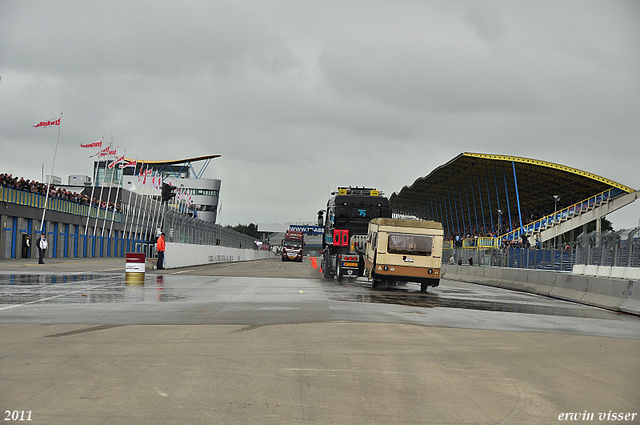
37 200
563 215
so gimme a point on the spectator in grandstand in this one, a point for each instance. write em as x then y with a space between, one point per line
7 180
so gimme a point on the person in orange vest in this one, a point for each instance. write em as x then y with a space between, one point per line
160 245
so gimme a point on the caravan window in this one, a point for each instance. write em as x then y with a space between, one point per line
402 243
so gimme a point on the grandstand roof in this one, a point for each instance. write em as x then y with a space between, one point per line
469 183
177 161
185 164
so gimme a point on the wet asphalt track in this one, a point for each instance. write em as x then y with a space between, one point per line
272 342
189 296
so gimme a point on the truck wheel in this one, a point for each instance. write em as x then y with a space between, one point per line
423 287
339 272
326 268
375 283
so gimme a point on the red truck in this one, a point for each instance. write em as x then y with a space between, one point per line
292 246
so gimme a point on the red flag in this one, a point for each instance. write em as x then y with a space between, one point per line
97 144
117 161
106 152
129 164
47 123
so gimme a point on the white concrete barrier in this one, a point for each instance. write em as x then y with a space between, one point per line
569 287
591 270
632 273
542 282
185 255
493 276
617 272
606 293
613 294
604 271
631 303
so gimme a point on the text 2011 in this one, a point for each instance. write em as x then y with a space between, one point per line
17 415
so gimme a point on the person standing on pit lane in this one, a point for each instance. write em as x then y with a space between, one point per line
42 248
160 246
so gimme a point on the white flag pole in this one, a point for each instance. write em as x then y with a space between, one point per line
115 203
152 208
46 198
104 180
144 211
135 204
106 214
93 187
158 203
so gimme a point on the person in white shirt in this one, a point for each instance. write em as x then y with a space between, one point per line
42 247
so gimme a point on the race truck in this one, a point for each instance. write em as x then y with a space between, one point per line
346 221
292 245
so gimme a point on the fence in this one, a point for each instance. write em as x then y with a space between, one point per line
37 200
611 249
181 228
75 230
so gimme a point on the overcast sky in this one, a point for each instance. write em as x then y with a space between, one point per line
301 97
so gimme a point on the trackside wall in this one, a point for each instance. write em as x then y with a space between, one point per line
613 294
185 255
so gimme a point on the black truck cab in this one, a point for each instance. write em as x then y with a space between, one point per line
346 221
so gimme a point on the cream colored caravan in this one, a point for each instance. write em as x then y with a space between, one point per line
404 251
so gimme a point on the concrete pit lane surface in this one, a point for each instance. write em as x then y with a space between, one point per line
273 342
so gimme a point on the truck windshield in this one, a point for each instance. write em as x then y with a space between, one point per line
292 244
401 243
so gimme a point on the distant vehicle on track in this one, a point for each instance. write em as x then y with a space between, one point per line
292 246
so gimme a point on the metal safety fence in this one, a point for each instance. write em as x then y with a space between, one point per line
181 228
611 249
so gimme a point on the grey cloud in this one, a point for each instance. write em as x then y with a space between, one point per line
337 92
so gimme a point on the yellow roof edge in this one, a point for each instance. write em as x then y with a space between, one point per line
550 165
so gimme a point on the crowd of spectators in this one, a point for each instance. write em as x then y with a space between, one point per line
501 226
32 186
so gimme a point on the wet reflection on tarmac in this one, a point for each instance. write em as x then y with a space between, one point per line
410 295
47 279
80 289
21 289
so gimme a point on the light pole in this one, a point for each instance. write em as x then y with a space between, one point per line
556 198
